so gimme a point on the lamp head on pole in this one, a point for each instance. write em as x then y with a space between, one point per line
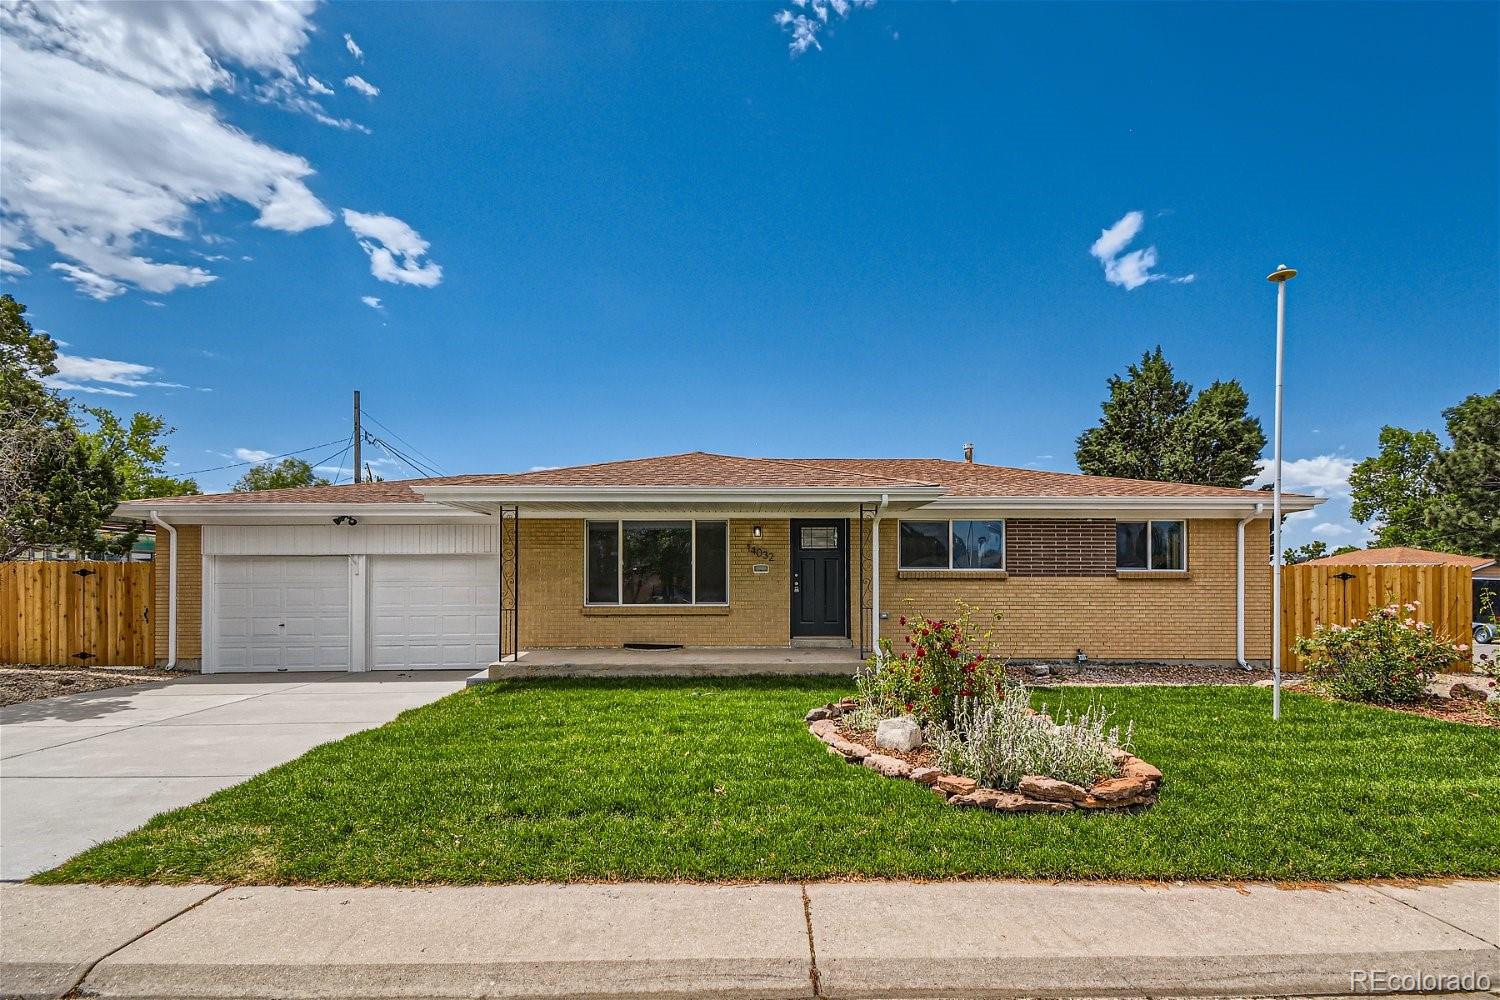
1282 273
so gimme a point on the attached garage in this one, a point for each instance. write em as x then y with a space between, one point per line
281 613
434 612
377 597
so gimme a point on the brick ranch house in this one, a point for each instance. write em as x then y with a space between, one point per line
708 550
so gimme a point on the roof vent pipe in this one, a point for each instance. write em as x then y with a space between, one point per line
969 452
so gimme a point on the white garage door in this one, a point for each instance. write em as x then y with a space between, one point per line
433 612
281 613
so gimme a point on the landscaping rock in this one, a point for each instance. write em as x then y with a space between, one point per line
1012 802
925 775
980 798
1118 790
850 750
901 733
1120 756
1038 670
1467 692
848 704
824 729
1134 767
1051 789
955 784
891 767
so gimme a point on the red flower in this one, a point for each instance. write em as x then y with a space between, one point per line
903 619
936 690
979 658
908 706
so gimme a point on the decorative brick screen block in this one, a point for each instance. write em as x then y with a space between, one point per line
1060 547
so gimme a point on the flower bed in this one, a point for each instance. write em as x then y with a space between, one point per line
1133 782
944 714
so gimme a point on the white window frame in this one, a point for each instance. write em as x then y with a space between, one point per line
950 568
619 524
1148 522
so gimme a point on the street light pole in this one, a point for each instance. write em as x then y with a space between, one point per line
1280 277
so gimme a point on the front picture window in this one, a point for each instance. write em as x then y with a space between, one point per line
657 562
1158 545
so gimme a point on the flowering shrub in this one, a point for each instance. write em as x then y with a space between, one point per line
999 742
948 665
1386 658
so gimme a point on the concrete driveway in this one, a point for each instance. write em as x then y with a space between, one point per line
78 770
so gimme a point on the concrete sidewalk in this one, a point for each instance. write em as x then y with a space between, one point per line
872 939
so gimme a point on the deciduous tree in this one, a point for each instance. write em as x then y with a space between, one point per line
289 473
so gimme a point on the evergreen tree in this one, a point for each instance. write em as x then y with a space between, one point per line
1153 428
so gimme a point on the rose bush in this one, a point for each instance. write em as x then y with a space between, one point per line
945 664
1386 658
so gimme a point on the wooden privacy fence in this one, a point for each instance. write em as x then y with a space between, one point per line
1326 595
94 613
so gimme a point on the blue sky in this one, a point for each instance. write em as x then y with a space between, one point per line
603 231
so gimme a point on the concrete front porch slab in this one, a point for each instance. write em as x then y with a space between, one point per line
687 661
506 941
50 935
1027 939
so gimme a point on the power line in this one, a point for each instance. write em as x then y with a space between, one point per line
415 450
259 461
338 471
400 455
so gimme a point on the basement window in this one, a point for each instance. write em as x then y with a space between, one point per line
656 563
1151 545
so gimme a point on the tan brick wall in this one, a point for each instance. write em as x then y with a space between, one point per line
553 611
1189 617
189 593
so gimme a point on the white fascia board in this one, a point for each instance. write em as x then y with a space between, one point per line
290 513
675 495
1113 506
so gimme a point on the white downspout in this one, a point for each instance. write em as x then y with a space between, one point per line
171 588
875 573
1239 586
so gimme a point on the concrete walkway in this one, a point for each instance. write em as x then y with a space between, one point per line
85 768
873 939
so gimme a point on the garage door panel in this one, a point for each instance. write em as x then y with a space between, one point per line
281 613
434 612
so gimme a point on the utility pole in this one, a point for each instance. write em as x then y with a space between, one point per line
358 436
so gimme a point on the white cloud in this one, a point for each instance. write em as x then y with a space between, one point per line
1332 528
95 286
372 302
1321 475
111 142
319 87
396 249
353 47
252 454
362 85
104 376
811 18
1134 269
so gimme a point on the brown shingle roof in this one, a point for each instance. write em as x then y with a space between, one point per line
1400 555
707 470
966 479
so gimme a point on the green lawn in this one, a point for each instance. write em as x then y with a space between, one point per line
703 779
